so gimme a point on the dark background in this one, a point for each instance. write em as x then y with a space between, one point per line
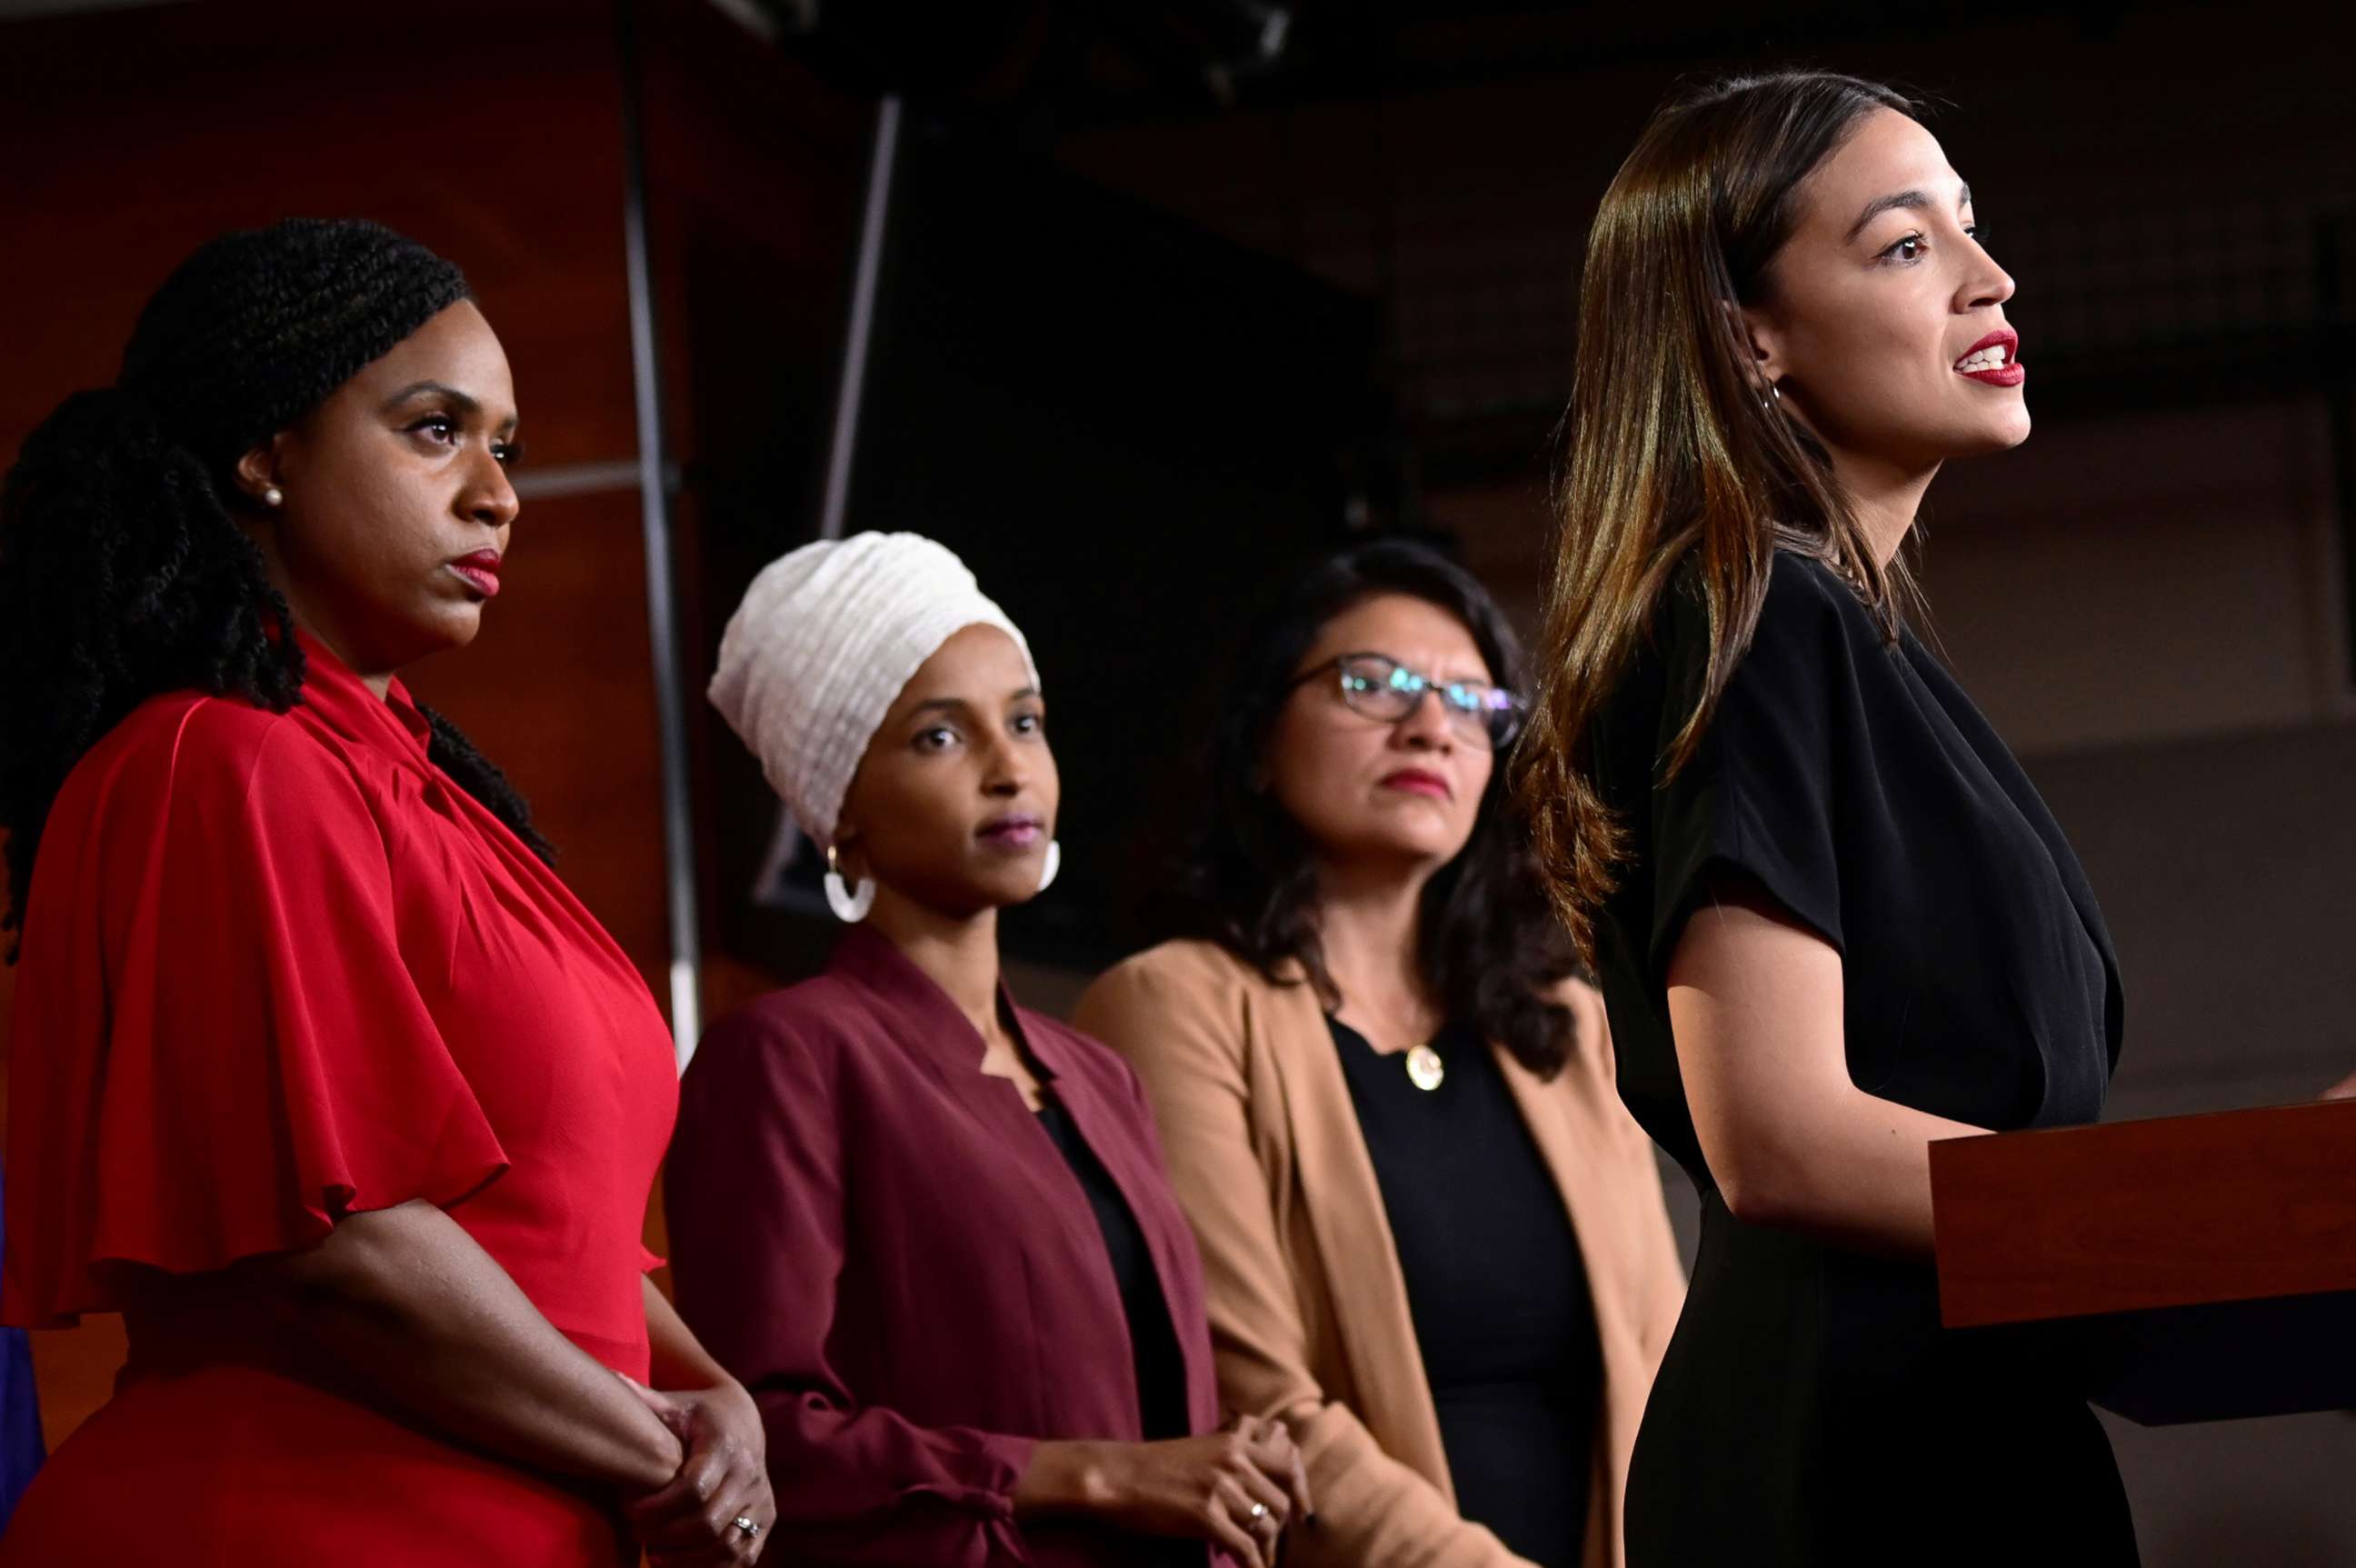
1161 317
1121 421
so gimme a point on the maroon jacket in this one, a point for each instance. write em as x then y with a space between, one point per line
893 1255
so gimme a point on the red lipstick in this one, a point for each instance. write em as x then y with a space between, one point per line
480 572
1994 360
1418 781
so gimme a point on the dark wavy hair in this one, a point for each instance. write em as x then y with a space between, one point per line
124 572
1491 950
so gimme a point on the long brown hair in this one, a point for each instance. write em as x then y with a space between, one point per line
1672 464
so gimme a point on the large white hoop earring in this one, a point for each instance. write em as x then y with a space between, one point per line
850 904
1055 864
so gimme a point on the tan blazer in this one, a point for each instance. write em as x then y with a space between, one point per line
1308 1309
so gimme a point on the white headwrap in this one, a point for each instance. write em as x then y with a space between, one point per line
817 652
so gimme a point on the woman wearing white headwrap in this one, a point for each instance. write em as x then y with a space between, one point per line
928 1228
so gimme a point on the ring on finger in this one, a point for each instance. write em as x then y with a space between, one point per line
747 1526
1258 1512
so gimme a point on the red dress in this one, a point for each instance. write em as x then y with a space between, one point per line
278 969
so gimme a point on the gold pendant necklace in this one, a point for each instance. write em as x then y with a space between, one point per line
1424 1068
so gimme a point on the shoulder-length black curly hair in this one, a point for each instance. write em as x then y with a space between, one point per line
124 570
1492 950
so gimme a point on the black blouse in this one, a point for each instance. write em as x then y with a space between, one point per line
1810 1388
1495 1284
1161 1374
1860 785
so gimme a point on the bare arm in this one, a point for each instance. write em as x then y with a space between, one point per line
1755 1003
405 1299
725 1477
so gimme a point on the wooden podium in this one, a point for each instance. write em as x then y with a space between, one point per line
2209 1261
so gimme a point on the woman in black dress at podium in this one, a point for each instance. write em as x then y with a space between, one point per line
1832 921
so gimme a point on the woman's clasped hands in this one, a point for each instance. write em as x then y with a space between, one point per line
717 1509
1238 1489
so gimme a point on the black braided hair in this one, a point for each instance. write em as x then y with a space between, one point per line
122 574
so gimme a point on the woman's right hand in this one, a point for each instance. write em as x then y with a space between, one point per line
723 1476
1238 1488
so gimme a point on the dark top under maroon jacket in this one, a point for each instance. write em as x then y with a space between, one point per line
892 1253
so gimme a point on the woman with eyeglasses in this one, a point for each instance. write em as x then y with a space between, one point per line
1435 1243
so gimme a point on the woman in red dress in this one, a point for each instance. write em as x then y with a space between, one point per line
317 1073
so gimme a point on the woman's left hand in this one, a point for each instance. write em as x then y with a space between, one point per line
724 1479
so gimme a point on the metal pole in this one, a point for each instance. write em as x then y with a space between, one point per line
662 621
861 333
2332 342
859 337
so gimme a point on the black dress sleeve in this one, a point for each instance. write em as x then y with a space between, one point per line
1761 796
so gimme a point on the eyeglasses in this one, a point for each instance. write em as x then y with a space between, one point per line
1386 690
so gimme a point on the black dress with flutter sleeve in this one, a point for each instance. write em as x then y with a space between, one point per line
1810 1409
